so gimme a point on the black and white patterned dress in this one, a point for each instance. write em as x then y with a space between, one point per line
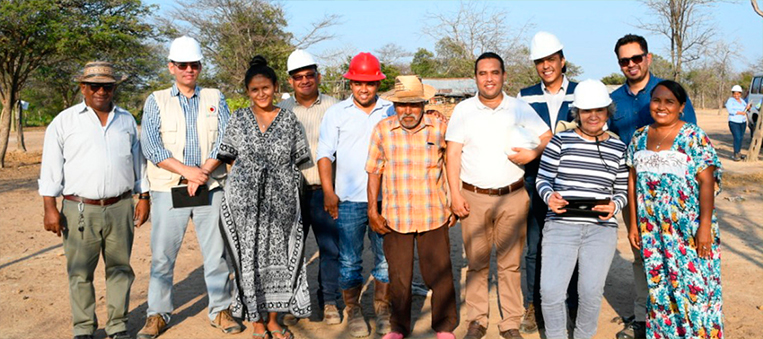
260 214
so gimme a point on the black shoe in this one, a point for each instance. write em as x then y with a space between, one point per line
83 336
634 330
120 335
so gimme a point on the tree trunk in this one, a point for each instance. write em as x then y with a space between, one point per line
5 123
20 145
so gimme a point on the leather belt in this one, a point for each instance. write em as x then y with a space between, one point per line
99 202
313 187
495 191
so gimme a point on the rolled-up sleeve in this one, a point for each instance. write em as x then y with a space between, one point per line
138 164
52 167
222 122
150 137
328 139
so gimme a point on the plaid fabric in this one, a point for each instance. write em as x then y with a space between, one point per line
412 164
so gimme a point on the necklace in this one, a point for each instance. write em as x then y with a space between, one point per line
666 135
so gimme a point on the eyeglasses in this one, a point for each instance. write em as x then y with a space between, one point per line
308 76
97 87
184 65
637 59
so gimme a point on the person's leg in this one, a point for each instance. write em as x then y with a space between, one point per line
206 219
398 248
560 250
437 272
352 226
82 249
637 327
536 216
377 246
737 132
477 233
326 235
594 258
509 239
117 246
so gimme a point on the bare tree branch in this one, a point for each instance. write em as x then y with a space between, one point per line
756 8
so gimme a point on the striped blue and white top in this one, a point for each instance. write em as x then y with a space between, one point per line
575 168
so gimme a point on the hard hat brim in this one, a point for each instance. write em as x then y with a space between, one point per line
362 77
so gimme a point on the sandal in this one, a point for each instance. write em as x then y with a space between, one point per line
264 335
283 333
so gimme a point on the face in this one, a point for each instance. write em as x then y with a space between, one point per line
736 95
634 63
490 78
305 82
364 92
185 73
592 120
665 108
550 68
261 90
409 113
98 96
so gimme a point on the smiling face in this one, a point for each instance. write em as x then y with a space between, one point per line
364 92
634 71
98 96
305 82
409 113
261 90
736 95
490 78
592 120
186 73
665 107
550 68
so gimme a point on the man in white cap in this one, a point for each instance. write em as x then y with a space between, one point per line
551 100
92 157
182 129
309 105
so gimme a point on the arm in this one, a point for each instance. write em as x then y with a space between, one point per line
143 207
328 141
52 218
458 204
549 167
634 236
376 221
620 192
51 177
703 239
330 199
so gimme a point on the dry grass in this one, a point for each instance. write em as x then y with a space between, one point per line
749 180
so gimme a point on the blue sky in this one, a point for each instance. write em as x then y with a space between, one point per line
588 29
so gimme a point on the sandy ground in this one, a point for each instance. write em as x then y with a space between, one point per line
34 300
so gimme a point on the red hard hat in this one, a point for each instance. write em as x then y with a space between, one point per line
364 67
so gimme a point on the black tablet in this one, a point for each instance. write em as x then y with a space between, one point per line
582 207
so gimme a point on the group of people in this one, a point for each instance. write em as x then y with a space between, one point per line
548 170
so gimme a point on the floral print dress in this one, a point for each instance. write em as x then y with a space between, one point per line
684 289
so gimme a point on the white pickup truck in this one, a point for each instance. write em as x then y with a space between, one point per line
755 97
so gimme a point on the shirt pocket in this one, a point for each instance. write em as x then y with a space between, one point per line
169 133
212 123
433 153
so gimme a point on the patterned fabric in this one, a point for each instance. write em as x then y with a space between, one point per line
412 163
260 215
684 289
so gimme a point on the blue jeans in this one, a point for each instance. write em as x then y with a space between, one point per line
168 227
737 131
352 224
592 247
327 237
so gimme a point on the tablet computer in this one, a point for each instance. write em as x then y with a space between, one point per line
583 207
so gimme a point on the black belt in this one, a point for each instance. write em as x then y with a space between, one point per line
99 202
313 187
495 191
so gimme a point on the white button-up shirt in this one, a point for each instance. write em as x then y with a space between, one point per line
555 100
484 133
345 136
81 157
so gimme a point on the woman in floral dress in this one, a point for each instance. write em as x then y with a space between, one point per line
675 175
260 209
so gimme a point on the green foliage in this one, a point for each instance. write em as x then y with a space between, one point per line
661 67
454 59
615 78
389 82
237 103
424 64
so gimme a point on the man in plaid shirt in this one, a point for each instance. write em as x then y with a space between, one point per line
409 151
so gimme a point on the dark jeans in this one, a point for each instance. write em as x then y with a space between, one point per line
353 226
327 236
737 131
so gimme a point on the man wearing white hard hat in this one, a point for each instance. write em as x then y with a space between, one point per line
579 167
182 129
551 100
309 105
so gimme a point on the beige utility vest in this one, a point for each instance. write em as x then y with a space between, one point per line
172 131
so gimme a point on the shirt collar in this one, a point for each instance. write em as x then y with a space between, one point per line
649 84
85 108
562 89
176 91
380 104
426 120
503 104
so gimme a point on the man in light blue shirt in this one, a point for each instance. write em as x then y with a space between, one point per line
344 138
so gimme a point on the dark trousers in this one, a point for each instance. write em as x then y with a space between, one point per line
737 131
434 263
327 236
536 218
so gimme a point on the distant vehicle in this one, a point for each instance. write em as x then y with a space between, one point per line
755 97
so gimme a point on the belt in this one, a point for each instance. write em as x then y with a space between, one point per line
99 202
313 187
495 191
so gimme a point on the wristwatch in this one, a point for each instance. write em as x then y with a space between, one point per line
144 196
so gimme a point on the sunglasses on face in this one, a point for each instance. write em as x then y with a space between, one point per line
97 87
184 65
637 59
308 76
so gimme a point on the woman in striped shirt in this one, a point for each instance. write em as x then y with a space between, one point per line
583 163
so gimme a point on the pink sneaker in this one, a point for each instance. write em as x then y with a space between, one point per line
393 335
445 335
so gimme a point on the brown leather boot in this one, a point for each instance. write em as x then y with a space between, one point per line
354 313
382 307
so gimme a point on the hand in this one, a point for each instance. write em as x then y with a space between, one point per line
52 221
435 113
459 206
331 204
195 175
634 236
522 156
378 223
142 211
452 219
192 187
556 203
609 208
741 113
703 240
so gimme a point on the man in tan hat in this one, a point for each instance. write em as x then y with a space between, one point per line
408 150
91 156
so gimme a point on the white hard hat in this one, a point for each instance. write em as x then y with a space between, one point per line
285 96
544 44
185 49
298 59
736 88
521 137
590 94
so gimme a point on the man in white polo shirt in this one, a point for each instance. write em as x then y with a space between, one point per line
485 174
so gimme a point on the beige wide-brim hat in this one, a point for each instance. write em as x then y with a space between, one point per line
409 88
100 72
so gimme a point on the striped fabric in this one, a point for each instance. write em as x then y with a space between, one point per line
310 118
571 166
412 164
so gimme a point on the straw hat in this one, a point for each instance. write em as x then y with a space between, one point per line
100 72
408 88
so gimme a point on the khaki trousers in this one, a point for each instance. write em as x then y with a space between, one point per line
499 221
107 230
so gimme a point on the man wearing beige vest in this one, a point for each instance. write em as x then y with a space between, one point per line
182 128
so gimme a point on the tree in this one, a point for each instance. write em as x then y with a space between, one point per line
392 54
614 79
684 23
424 64
756 8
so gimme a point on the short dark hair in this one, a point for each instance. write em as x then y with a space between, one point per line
630 38
489 55
259 66
678 91
313 67
561 56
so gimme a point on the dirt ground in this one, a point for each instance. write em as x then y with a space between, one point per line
34 298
